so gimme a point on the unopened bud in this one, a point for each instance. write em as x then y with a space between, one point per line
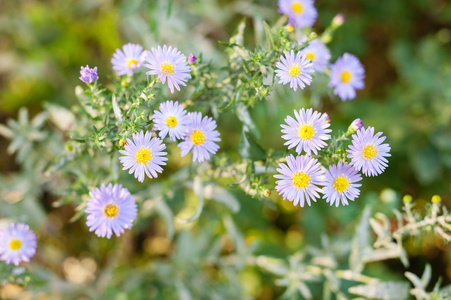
339 20
357 124
327 117
289 28
436 199
267 193
122 143
407 199
192 58
124 83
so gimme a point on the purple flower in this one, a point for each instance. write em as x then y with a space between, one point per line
172 119
346 76
340 184
301 13
143 156
125 62
308 132
170 65
368 153
88 75
17 243
192 58
318 53
110 209
201 137
295 70
299 179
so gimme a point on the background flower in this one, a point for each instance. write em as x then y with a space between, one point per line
111 209
346 76
128 60
17 243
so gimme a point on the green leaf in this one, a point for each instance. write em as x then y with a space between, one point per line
269 36
199 191
249 148
382 290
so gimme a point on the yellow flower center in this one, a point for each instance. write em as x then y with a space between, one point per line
297 7
345 76
144 155
171 122
310 56
294 70
167 68
111 210
132 63
341 184
15 244
369 152
197 137
306 131
301 180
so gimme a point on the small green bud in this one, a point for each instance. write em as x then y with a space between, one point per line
69 147
124 83
407 199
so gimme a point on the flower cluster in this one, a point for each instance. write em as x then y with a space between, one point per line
144 155
301 177
346 74
168 63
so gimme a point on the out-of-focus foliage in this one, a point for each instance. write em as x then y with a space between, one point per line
244 245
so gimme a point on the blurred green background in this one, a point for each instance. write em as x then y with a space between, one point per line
405 47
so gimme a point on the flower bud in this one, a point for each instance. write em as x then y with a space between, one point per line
338 20
192 58
355 125
407 199
436 199
122 143
327 117
267 193
289 28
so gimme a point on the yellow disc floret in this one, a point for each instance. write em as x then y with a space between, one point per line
310 56
301 180
306 131
345 76
369 152
167 68
197 137
15 245
297 7
132 63
111 210
171 122
294 70
144 155
341 184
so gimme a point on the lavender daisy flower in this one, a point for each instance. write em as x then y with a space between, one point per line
110 209
318 53
201 137
346 76
143 155
341 184
368 153
17 243
169 64
308 132
88 75
172 119
129 60
301 13
294 70
299 179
